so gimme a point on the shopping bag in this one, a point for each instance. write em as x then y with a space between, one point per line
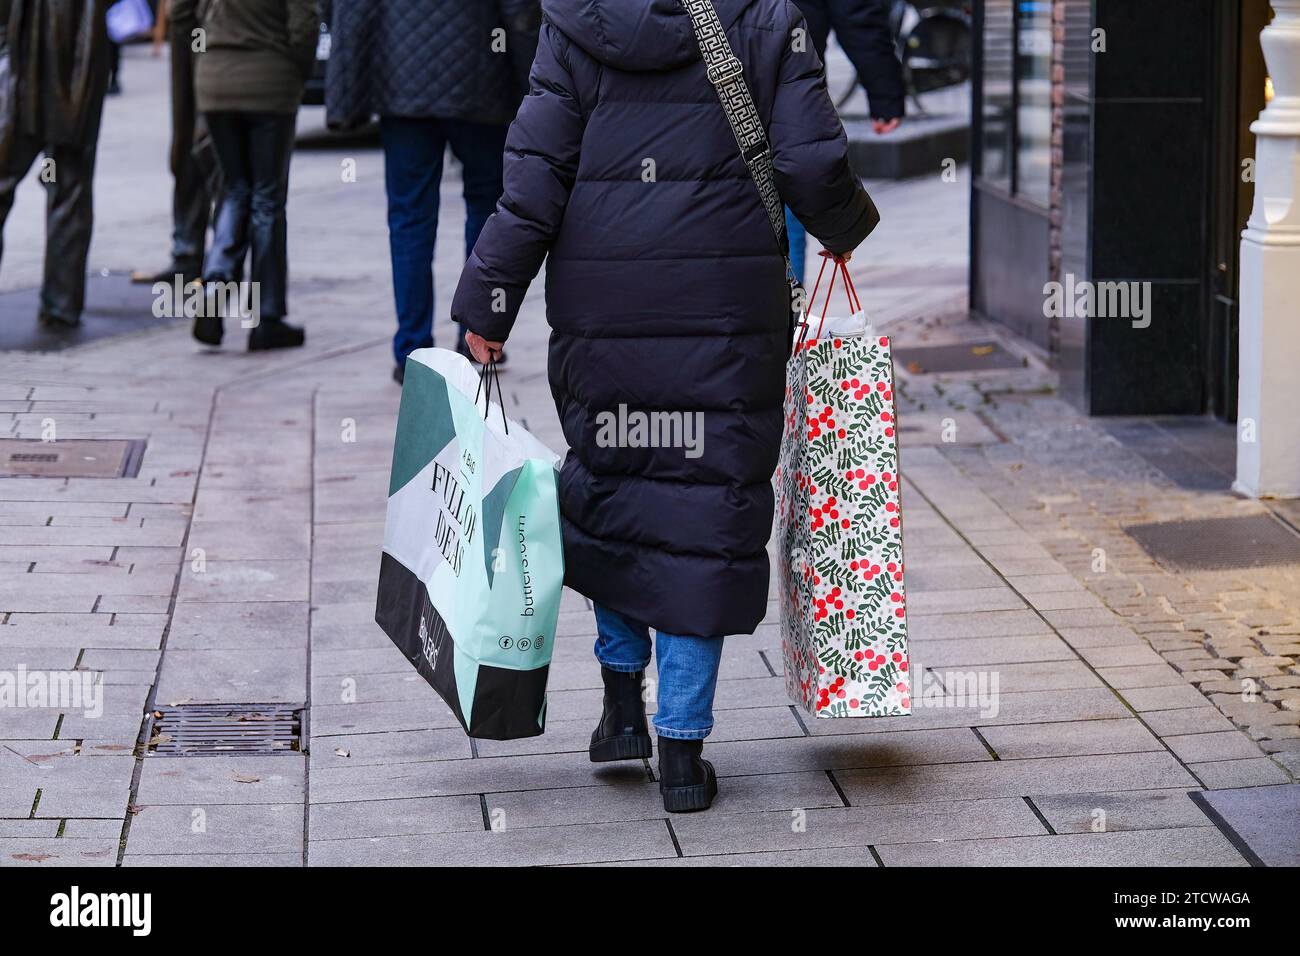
128 19
472 569
839 523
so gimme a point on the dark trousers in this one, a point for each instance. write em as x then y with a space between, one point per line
253 150
413 157
862 29
69 212
193 164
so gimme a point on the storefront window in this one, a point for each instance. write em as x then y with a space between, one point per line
999 40
1034 100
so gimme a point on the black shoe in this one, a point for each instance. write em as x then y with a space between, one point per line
399 374
686 780
58 322
208 329
274 334
622 733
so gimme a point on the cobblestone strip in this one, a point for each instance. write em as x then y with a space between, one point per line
1232 635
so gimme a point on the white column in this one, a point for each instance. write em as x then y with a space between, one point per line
1268 431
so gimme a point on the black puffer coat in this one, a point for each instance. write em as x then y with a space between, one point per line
667 294
429 58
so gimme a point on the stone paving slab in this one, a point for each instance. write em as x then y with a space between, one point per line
638 799
221 676
1028 777
1108 812
190 781
542 846
208 860
1265 819
1070 739
856 826
1202 846
217 829
60 852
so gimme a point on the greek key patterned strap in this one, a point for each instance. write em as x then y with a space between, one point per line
727 75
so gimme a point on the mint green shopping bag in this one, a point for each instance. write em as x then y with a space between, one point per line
473 566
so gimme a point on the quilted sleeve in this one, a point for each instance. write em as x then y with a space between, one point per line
810 152
541 161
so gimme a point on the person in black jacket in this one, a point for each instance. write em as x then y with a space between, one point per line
863 31
666 294
53 75
436 73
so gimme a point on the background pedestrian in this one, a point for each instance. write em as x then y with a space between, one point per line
53 75
249 78
438 74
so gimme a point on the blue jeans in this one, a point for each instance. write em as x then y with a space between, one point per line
798 243
688 671
413 154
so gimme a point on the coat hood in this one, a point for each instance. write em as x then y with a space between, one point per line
635 35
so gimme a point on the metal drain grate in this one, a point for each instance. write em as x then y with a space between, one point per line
1219 544
962 357
205 730
71 458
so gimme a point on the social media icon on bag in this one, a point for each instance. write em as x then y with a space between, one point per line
506 643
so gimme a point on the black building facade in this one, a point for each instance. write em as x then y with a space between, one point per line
1111 159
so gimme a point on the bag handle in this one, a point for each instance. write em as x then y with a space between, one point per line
841 267
727 74
490 374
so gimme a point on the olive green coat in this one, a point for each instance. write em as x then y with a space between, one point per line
251 56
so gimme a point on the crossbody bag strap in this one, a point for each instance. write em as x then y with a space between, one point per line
727 75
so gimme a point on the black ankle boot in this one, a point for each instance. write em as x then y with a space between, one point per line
622 733
686 780
209 329
274 334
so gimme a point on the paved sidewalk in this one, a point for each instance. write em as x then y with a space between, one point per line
241 564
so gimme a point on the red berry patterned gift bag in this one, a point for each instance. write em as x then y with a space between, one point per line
839 520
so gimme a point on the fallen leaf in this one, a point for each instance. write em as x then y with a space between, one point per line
982 350
246 778
32 857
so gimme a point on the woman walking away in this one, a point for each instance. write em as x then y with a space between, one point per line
667 297
249 74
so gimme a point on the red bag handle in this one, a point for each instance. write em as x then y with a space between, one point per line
841 267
